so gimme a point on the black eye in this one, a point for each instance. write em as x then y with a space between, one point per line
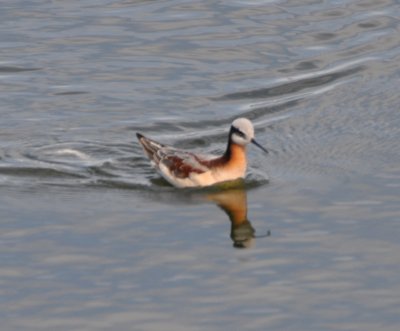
238 132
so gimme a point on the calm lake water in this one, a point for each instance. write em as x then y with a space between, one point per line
92 239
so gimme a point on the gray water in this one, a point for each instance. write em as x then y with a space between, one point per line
92 239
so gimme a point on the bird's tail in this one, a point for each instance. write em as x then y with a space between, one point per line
150 147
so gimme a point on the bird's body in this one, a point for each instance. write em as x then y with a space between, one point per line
182 168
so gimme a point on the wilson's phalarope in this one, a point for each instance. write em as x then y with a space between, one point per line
182 168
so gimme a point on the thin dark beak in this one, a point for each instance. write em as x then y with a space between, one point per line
258 145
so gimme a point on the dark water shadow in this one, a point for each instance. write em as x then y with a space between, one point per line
71 93
11 69
39 172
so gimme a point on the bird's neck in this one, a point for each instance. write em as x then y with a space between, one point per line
235 155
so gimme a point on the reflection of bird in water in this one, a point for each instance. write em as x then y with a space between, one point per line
182 168
234 203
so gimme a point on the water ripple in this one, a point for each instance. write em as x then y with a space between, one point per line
293 84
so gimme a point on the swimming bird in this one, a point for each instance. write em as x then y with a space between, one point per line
183 168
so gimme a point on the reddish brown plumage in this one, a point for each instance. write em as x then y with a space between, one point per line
179 168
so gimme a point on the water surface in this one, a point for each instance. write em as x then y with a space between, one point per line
92 239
